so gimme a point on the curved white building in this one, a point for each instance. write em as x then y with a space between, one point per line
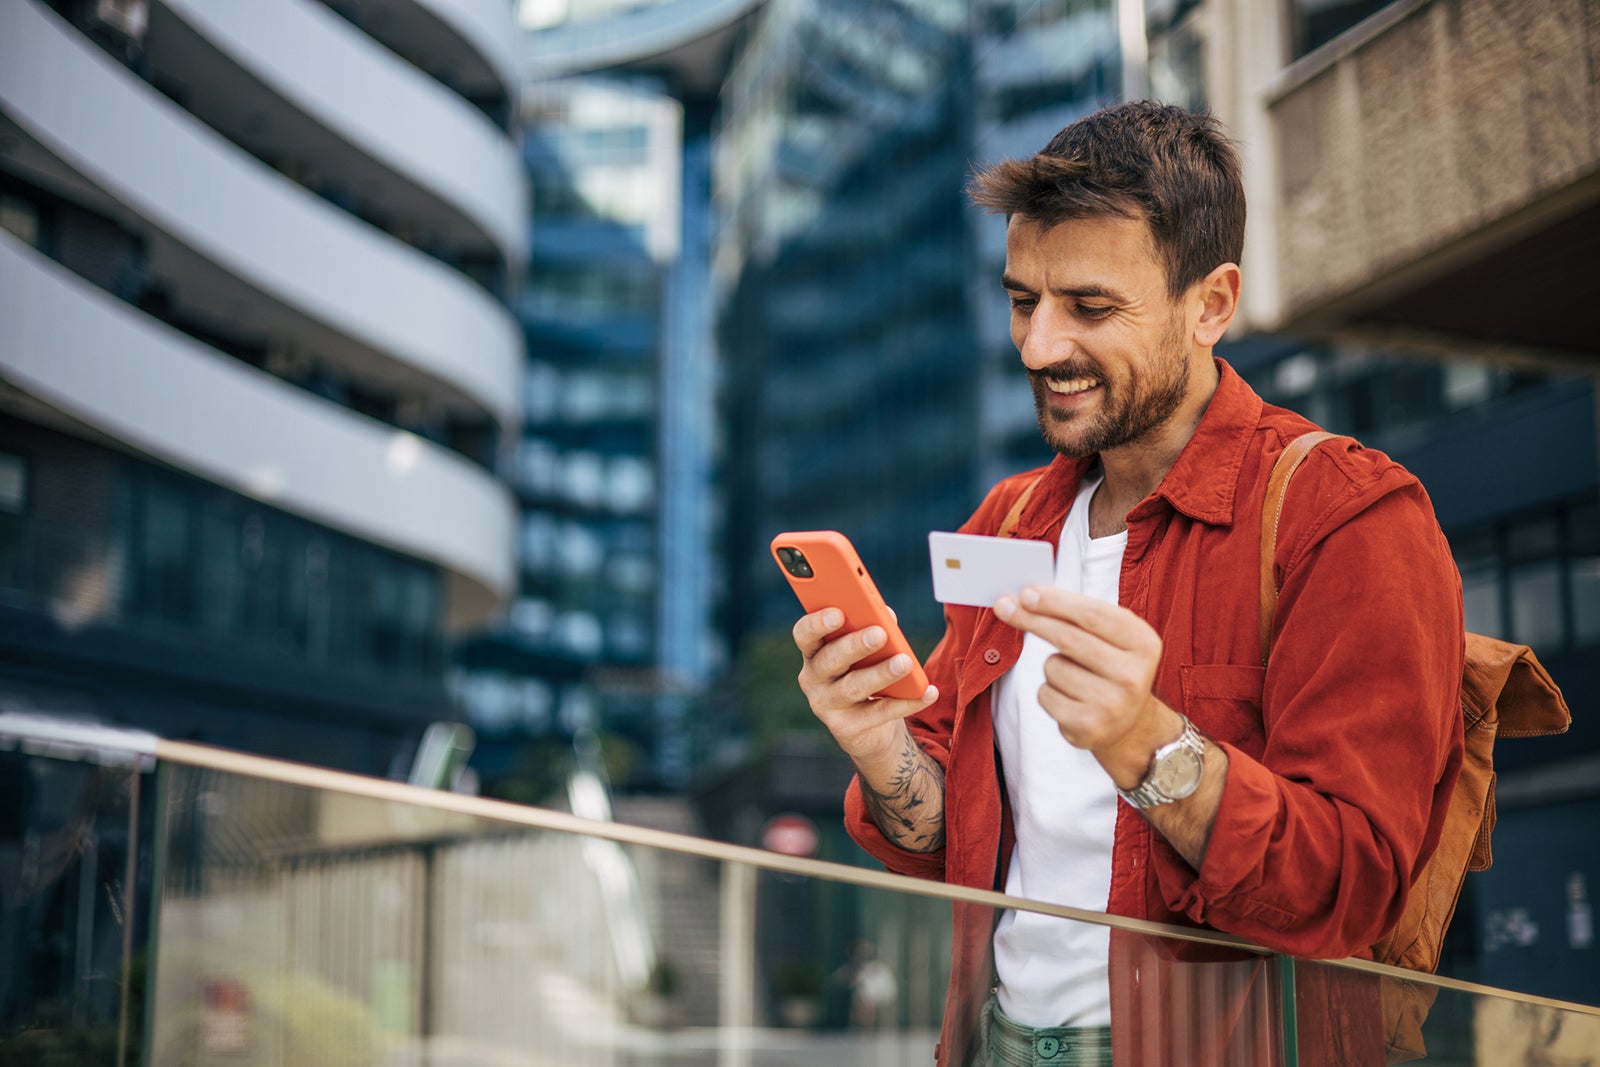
256 362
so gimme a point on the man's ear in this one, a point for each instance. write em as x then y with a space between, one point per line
1217 295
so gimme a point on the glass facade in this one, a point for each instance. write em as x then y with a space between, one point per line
92 538
872 384
580 652
842 314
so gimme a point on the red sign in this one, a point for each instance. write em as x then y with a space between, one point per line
792 835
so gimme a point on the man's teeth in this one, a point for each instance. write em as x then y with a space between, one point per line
1072 385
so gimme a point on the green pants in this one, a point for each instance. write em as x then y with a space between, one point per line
1007 1043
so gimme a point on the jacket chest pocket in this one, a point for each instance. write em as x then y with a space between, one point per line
1224 702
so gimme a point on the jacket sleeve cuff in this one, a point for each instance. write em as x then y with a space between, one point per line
865 833
1246 816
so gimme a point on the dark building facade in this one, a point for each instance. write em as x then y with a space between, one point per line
1509 460
850 397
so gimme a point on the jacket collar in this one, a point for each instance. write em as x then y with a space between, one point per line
1202 484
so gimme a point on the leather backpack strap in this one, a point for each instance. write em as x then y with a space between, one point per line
1008 525
1289 461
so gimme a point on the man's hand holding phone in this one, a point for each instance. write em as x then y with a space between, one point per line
859 673
841 687
862 682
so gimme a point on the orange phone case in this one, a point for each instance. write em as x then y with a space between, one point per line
839 580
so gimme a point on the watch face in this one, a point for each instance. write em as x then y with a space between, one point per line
1177 773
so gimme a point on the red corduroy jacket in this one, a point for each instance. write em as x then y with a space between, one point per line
1342 751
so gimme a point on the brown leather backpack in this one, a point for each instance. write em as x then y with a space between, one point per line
1505 692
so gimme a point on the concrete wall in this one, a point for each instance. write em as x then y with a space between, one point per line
1427 136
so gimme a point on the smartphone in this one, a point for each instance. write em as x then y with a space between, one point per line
824 571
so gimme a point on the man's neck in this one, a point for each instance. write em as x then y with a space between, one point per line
1134 470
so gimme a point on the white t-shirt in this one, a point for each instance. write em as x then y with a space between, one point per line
1053 971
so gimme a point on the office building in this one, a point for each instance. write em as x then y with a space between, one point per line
256 363
612 634
580 647
841 274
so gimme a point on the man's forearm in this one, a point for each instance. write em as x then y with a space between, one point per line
1187 823
904 795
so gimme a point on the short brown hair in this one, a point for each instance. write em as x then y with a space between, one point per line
1173 168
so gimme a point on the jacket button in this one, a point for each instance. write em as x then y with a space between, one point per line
991 656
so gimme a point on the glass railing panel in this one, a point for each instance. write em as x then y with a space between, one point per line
308 917
74 885
1383 1015
299 916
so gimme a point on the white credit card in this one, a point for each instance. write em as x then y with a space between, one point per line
977 571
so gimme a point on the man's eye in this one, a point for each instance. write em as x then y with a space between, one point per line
1024 303
1091 311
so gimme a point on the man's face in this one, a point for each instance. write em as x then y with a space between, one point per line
1107 350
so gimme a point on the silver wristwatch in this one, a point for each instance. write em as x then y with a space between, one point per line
1175 771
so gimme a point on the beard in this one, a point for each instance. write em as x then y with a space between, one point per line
1128 410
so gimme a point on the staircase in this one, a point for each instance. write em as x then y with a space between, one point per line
682 896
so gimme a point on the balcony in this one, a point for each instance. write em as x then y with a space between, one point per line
297 915
178 400
464 43
1439 178
289 79
229 235
685 40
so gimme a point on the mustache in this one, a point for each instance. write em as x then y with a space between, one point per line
1066 371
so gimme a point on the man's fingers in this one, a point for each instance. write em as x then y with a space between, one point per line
811 632
862 684
1069 620
1079 683
867 713
1111 623
1066 637
838 656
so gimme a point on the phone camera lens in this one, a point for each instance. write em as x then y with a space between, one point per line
794 561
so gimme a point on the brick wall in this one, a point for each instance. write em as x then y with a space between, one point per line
1455 117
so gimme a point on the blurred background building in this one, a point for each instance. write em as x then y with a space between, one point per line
580 638
612 641
255 363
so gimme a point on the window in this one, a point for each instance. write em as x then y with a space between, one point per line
20 218
1314 23
13 520
1536 605
166 585
211 563
1535 580
1583 540
1478 557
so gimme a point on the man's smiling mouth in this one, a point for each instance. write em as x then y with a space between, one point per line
1071 386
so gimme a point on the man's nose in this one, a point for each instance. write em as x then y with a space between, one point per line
1048 340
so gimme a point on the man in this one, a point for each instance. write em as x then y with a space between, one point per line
1114 742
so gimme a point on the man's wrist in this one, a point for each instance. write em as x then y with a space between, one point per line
872 761
1127 760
